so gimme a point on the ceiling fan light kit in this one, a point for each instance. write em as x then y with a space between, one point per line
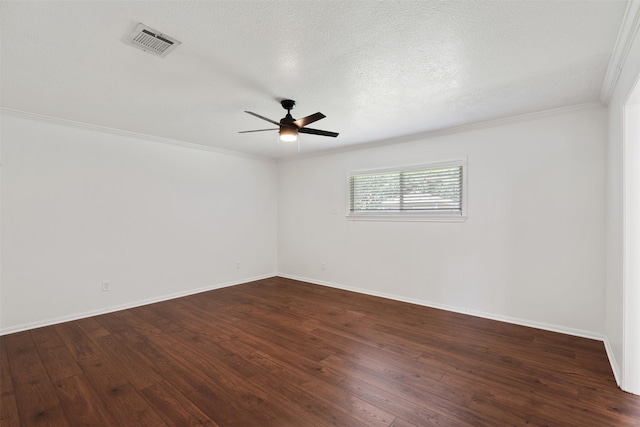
288 135
288 127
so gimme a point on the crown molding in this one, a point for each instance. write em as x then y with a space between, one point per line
119 132
453 130
626 36
373 144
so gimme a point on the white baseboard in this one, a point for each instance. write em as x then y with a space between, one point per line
617 372
491 316
133 304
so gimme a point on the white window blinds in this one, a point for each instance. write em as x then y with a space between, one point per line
420 190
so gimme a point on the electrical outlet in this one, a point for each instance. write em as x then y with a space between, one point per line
322 266
106 286
237 265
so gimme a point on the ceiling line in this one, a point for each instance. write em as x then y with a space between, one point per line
126 133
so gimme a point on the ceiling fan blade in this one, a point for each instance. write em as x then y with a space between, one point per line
318 132
263 118
257 130
309 119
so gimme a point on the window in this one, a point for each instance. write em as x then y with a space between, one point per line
434 191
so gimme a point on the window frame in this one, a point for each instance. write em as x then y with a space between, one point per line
408 215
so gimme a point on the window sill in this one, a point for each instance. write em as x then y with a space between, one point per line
406 218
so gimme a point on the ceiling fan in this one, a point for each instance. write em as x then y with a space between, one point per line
289 127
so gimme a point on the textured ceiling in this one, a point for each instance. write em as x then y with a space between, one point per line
377 70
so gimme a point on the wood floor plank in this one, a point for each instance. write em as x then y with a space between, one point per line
399 422
125 404
91 328
416 390
78 343
303 383
420 414
419 400
35 395
55 356
8 405
130 365
10 422
293 361
81 403
513 416
281 353
175 408
351 324
159 359
221 395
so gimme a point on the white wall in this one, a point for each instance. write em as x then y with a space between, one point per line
531 251
631 289
617 300
82 206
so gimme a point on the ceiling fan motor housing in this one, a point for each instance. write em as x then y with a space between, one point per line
288 104
287 121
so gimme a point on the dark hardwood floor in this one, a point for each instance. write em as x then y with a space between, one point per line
277 352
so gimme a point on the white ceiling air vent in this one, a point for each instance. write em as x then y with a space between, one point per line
151 41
